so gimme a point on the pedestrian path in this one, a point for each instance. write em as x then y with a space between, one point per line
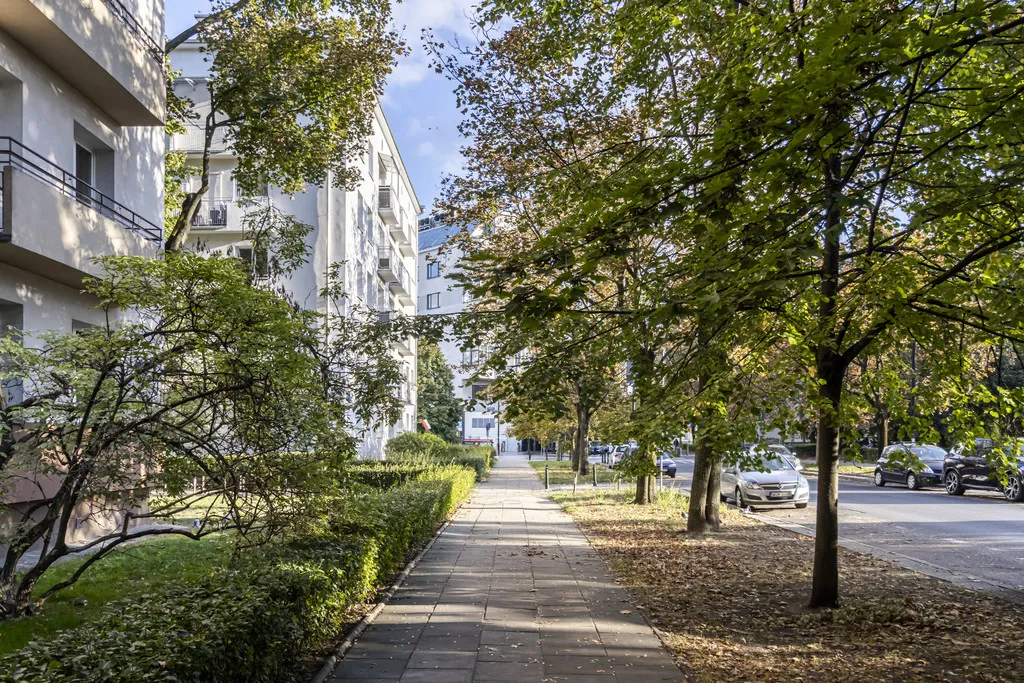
511 591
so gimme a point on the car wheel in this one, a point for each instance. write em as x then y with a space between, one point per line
738 497
954 486
879 481
801 506
672 475
913 483
1014 490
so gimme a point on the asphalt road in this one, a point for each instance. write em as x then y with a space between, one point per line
975 540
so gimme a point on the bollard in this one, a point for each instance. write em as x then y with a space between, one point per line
547 477
594 471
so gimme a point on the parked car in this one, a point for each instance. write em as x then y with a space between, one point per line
667 465
974 469
772 482
913 464
784 451
621 451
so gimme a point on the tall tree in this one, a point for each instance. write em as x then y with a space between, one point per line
436 401
292 89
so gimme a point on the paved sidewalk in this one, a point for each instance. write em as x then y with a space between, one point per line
511 591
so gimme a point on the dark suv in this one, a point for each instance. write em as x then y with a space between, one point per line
973 470
913 464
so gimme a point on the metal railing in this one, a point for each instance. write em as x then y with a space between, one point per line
15 154
155 49
212 213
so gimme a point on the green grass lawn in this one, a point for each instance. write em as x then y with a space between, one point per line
866 470
129 571
561 472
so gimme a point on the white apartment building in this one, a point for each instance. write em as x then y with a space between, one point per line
440 295
82 105
370 230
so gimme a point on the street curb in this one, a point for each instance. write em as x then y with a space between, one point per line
333 659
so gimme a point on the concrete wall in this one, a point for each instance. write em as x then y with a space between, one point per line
49 111
97 52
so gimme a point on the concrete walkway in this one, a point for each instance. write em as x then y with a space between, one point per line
511 591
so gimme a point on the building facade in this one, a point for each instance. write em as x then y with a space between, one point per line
440 295
82 105
369 231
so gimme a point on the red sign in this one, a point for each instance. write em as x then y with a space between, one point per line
425 425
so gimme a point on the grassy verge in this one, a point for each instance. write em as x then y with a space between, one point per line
128 572
732 604
561 472
863 470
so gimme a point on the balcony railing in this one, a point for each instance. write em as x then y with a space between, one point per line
13 153
212 213
155 49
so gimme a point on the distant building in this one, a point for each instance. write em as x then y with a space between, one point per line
371 230
82 106
439 295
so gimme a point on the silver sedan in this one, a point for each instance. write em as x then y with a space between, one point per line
773 482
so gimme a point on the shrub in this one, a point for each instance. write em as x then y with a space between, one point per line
252 622
413 443
478 458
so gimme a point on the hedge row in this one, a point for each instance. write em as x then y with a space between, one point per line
421 449
252 623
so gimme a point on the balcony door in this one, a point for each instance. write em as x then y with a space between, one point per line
85 173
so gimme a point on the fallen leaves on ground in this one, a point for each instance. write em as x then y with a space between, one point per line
732 604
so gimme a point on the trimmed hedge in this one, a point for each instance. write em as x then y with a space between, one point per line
253 622
422 449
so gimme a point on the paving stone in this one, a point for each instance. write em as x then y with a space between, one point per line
511 591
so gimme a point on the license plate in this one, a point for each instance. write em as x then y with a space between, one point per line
779 494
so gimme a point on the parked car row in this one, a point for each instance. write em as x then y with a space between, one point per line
920 465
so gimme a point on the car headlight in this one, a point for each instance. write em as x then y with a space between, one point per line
929 470
752 485
801 483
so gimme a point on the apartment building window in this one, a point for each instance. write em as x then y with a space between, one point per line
12 319
85 168
433 301
433 270
94 166
483 423
256 260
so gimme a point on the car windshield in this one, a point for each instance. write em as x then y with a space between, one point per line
781 450
769 465
928 452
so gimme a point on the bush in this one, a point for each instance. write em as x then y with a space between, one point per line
413 443
252 622
478 458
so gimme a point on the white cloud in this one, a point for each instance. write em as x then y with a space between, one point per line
426 149
443 17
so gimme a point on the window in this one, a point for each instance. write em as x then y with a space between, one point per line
12 318
256 259
483 423
433 270
476 389
84 170
433 301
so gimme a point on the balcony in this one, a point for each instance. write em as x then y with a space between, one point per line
53 224
387 207
226 214
98 47
389 265
404 345
193 140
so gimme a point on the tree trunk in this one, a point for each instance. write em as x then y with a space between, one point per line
825 584
193 200
581 458
644 490
705 490
830 370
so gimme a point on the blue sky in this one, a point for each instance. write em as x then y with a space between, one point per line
418 102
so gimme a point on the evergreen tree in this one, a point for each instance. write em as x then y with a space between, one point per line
436 402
